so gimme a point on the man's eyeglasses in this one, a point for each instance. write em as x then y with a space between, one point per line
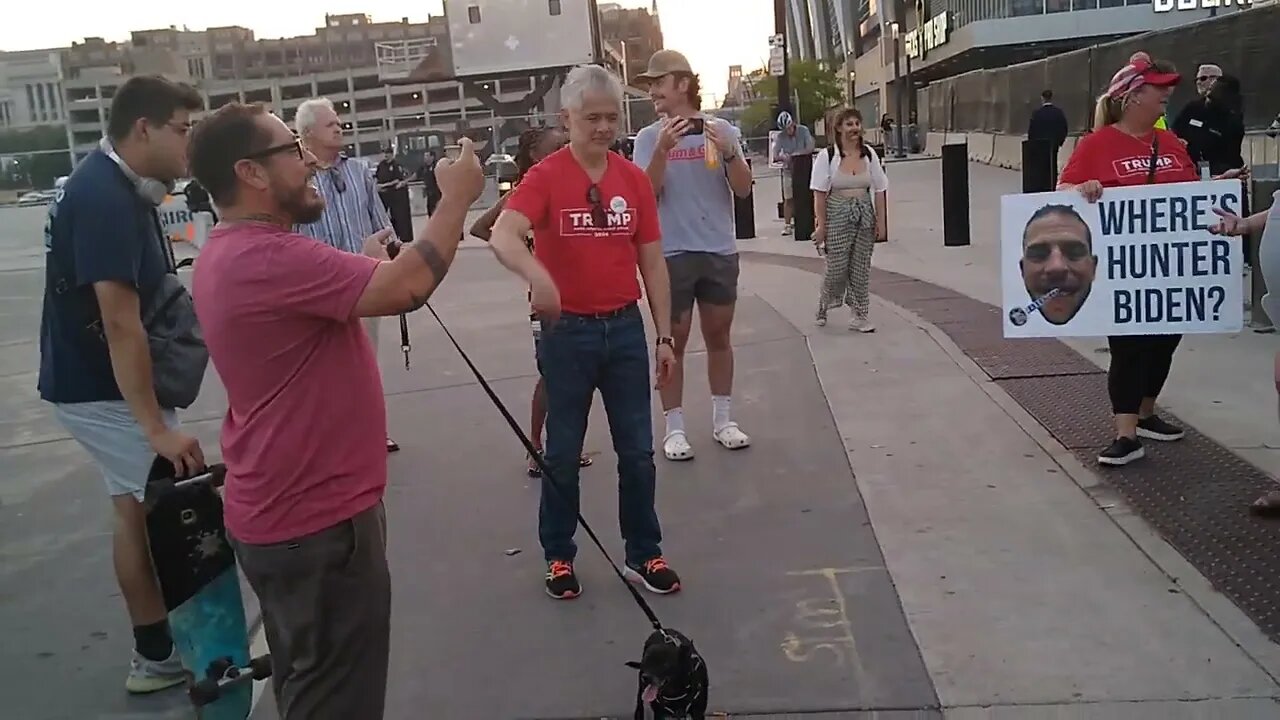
599 217
295 145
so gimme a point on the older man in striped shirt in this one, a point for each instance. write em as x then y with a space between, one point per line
352 209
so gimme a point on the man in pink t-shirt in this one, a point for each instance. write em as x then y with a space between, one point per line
303 438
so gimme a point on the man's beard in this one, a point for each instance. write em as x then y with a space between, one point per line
298 207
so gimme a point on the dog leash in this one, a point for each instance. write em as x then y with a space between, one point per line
546 473
393 249
404 339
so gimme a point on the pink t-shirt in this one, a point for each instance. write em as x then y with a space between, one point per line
304 439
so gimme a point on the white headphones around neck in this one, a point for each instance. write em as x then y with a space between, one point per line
149 189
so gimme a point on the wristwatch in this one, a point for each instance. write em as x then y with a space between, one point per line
664 340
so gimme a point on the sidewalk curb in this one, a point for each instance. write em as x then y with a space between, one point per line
1217 607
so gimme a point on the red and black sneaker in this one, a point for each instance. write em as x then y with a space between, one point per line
655 575
562 583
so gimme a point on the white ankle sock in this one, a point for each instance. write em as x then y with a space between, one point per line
719 411
675 420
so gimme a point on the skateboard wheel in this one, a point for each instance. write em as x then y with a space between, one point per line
204 692
261 667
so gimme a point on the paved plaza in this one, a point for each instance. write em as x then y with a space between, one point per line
902 540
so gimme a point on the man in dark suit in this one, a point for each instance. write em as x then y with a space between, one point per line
1048 122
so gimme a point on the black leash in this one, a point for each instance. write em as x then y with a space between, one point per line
404 339
546 471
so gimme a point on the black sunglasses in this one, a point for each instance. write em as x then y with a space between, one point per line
599 217
295 145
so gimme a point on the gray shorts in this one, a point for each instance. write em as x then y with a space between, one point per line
702 277
115 440
788 188
326 611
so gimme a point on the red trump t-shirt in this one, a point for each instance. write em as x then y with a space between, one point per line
593 265
1118 159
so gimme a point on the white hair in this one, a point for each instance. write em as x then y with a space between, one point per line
306 118
589 79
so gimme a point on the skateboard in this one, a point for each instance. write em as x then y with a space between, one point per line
196 567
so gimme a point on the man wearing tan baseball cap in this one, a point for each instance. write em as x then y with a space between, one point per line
694 161
666 62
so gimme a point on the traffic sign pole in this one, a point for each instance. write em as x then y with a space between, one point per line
779 45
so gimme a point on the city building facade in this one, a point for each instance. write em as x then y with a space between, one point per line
391 82
31 89
884 50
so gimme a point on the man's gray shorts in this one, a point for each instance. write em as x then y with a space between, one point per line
326 611
705 277
115 440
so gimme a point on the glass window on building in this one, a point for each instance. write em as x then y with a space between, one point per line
1056 6
1022 8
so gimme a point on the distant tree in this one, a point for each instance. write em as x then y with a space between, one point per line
24 166
814 88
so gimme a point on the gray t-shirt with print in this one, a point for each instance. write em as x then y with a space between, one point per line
696 203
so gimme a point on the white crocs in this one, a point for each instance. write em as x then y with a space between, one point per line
676 446
732 437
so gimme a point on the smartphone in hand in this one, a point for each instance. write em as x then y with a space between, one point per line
697 126
452 152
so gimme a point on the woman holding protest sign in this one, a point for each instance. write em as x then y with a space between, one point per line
1127 148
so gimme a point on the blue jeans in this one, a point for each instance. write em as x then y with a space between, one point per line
581 354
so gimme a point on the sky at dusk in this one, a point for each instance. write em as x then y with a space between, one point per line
714 34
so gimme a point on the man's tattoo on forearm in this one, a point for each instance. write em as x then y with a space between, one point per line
438 266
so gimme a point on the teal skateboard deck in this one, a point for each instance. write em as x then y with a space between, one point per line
196 567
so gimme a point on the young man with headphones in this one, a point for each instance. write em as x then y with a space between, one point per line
105 257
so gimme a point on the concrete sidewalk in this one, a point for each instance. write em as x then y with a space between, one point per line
1021 597
901 539
1222 384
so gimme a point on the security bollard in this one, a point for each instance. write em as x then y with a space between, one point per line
802 197
955 195
744 212
1038 172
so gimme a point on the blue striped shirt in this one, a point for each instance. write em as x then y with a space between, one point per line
352 209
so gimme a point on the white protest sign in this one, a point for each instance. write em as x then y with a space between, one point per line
1140 261
773 149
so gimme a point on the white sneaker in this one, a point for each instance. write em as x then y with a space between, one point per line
861 325
732 437
147 676
676 446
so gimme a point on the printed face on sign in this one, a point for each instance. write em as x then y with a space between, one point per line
1058 264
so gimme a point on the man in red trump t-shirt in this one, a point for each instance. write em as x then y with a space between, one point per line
594 218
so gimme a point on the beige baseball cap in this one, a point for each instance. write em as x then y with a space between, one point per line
665 62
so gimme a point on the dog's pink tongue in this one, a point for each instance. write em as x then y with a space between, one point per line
650 693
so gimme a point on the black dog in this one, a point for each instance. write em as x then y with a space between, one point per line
673 678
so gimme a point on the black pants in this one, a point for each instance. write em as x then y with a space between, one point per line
1139 366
